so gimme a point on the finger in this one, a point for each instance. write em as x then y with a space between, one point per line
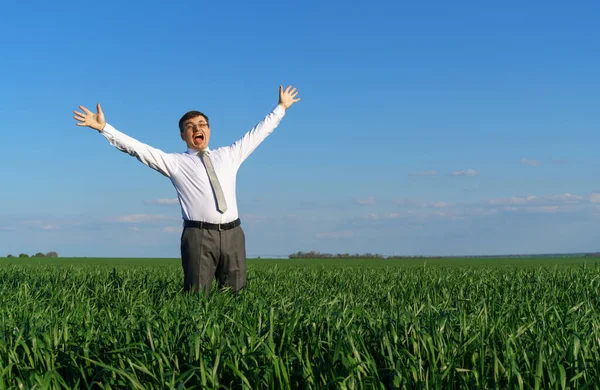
280 89
79 118
78 113
296 100
294 94
80 124
293 90
99 108
85 110
287 90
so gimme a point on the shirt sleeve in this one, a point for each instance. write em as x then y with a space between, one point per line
241 149
156 159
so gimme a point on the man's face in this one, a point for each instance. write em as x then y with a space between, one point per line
196 133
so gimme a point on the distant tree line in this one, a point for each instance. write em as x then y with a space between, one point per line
39 254
319 255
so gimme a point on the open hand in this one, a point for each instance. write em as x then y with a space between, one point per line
287 97
89 119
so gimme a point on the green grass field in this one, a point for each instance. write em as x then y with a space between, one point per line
436 323
411 262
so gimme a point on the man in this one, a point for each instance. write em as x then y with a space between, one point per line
212 242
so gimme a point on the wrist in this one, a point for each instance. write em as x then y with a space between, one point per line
282 105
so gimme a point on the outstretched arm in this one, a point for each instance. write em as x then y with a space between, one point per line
156 159
242 148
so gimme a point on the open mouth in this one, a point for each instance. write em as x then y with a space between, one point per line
199 138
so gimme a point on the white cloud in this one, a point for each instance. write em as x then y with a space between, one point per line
440 205
421 204
546 204
44 225
542 209
448 214
409 203
366 201
513 200
468 172
382 216
425 173
413 210
595 197
566 197
137 218
429 223
533 163
338 234
549 203
165 201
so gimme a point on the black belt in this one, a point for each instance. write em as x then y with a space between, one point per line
212 226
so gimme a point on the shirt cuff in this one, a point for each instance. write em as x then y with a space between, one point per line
108 132
279 111
108 129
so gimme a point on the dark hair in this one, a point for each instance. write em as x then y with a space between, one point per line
189 115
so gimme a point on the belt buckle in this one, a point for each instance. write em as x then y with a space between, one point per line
220 228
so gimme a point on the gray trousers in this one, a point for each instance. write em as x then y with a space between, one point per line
206 254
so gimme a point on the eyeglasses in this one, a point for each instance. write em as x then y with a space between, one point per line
201 125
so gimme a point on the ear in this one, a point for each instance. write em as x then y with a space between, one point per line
181 135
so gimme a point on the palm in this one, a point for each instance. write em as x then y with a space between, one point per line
89 119
287 97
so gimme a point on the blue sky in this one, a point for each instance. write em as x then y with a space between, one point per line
438 128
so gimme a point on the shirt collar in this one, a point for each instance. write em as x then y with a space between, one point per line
196 151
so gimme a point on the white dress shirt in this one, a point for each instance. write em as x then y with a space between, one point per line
188 174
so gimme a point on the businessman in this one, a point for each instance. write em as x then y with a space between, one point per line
213 241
